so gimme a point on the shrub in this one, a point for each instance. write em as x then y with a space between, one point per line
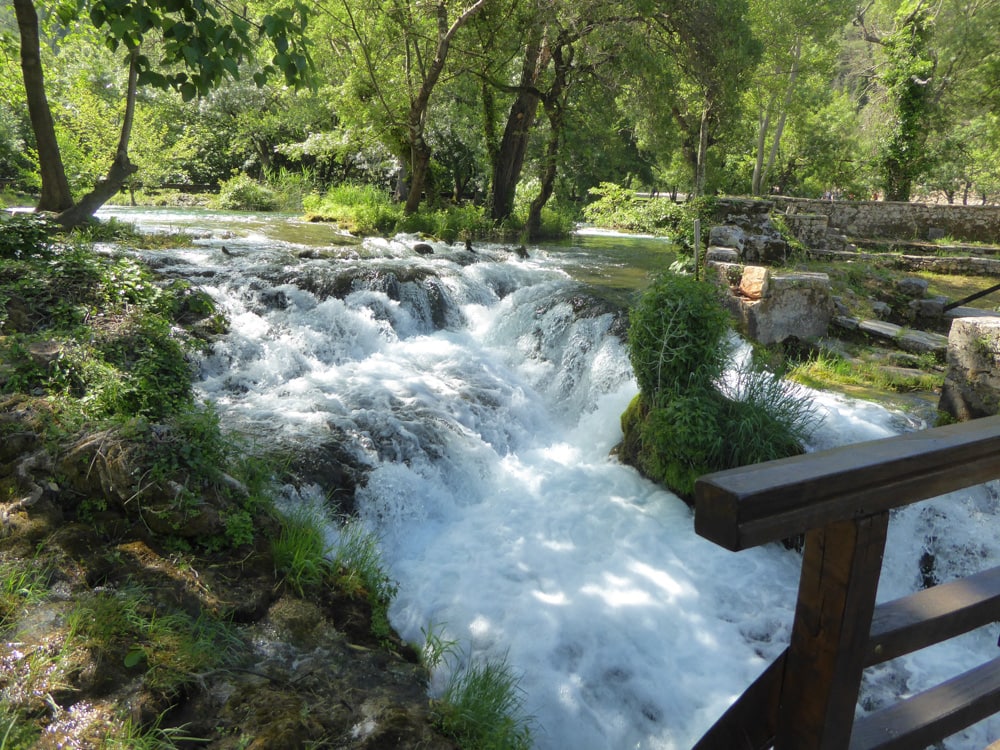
360 209
26 235
243 193
692 417
677 336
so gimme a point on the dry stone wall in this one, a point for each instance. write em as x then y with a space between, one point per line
913 221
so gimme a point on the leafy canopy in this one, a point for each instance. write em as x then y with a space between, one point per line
202 41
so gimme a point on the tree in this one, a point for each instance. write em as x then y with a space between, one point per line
394 59
802 40
716 52
195 34
908 71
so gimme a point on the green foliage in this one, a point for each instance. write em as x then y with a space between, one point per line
696 413
448 224
126 627
360 209
26 235
616 207
677 335
301 551
190 444
826 370
17 732
483 708
243 193
359 570
20 587
907 74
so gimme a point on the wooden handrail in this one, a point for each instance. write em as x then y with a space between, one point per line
751 505
840 500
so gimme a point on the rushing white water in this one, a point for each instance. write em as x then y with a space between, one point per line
483 393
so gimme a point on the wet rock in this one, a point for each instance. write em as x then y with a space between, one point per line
423 248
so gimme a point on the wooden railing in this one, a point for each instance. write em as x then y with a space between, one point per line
840 499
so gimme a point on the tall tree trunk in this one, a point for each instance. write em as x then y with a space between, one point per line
508 161
779 129
699 172
533 227
121 168
554 102
56 195
758 165
420 153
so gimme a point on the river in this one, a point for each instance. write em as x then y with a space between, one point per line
481 392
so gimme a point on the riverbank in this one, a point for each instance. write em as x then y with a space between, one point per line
150 593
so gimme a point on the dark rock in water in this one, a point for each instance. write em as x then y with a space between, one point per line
468 245
423 248
520 251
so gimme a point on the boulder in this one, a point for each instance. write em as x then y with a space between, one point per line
754 282
773 307
721 255
972 381
727 235
912 287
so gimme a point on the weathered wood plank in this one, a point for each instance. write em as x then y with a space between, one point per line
752 505
931 716
750 722
841 564
933 615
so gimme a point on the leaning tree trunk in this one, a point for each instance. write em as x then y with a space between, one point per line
56 195
554 110
508 161
121 168
419 150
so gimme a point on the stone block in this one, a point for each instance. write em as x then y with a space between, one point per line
721 255
795 305
754 283
727 235
972 381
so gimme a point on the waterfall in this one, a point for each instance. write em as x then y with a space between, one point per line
478 396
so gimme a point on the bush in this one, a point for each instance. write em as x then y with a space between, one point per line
26 235
243 193
615 207
692 417
677 336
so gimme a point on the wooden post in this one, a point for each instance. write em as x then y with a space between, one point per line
840 571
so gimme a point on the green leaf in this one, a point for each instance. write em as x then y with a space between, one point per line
135 656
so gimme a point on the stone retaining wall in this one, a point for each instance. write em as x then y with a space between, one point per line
917 221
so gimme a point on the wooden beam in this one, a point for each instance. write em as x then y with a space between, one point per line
932 715
933 615
840 570
752 505
750 722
